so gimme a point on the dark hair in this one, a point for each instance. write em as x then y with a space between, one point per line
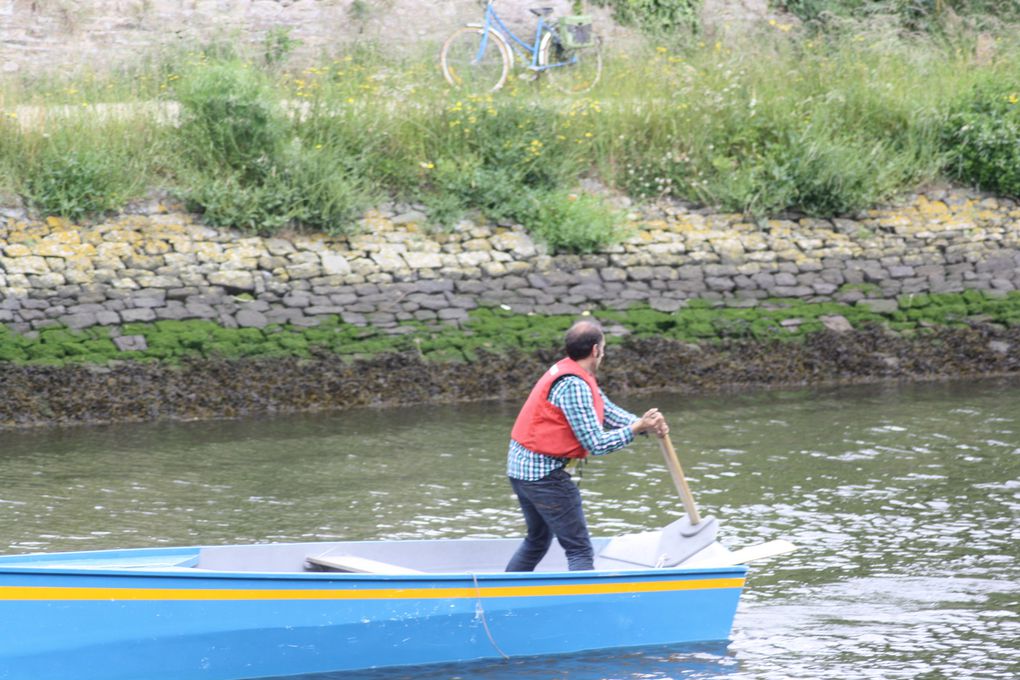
582 338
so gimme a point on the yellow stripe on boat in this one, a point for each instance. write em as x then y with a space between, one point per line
56 593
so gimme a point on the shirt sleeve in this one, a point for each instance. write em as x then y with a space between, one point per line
616 417
572 396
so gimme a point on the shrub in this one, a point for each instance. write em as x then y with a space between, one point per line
983 137
325 192
228 201
658 17
247 165
229 120
75 183
495 158
577 223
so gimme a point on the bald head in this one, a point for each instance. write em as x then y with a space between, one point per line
582 337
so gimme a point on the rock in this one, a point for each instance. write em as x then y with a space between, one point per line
890 362
388 258
335 264
131 343
836 323
107 318
641 273
77 321
303 270
517 243
144 314
421 260
720 283
667 305
410 217
999 346
31 264
200 310
493 269
250 318
453 314
879 306
233 280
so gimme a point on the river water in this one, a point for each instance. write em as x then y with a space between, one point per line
904 501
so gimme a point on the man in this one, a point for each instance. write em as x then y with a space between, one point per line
566 417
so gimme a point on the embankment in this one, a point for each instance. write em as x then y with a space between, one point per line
149 314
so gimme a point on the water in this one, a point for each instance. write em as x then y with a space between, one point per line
904 500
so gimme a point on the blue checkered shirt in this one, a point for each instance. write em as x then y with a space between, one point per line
572 395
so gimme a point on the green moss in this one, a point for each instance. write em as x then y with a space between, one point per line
498 330
915 301
12 354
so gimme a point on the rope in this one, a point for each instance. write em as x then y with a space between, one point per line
480 614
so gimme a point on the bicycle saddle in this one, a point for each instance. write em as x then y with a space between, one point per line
541 11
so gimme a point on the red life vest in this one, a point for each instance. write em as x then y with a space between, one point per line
542 427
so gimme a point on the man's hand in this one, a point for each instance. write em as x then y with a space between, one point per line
652 421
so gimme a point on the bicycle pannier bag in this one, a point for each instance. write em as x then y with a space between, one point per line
576 31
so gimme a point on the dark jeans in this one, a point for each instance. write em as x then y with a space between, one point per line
552 507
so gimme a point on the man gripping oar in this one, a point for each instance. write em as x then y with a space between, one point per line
566 416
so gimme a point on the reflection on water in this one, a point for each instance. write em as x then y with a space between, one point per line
904 500
693 662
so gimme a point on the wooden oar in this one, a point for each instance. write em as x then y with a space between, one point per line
677 473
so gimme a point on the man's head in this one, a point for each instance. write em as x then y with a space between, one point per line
585 340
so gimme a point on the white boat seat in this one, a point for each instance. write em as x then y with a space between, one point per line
356 565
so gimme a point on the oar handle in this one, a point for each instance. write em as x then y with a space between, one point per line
677 473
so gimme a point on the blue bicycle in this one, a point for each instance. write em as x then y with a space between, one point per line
478 57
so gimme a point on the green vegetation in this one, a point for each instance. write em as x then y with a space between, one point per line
984 138
496 330
915 15
822 123
656 17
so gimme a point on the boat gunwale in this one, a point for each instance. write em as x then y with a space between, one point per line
193 573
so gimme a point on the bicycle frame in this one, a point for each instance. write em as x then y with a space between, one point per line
494 22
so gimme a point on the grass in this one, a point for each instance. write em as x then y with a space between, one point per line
823 124
495 330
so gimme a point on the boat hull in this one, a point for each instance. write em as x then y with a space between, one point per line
58 621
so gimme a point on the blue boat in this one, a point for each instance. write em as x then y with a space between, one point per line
256 611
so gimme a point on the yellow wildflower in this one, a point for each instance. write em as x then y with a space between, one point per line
1014 98
427 165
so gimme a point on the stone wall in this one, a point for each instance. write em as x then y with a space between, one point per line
40 35
160 263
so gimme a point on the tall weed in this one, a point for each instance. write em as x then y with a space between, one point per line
78 167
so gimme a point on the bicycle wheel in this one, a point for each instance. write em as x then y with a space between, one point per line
570 71
465 69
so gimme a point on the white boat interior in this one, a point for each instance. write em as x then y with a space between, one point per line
405 557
